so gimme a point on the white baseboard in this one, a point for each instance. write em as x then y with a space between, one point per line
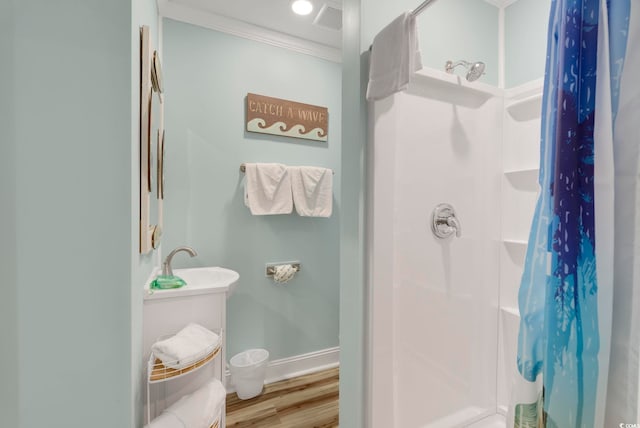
298 365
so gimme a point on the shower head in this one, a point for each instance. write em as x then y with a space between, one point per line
475 70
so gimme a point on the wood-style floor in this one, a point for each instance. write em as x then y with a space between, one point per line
309 401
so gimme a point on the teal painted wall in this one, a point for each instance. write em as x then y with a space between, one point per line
353 297
9 357
144 12
448 30
72 79
207 76
526 23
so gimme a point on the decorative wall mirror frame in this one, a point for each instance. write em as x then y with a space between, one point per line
151 125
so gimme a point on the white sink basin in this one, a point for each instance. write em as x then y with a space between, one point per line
202 280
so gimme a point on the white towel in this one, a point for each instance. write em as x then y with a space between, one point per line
395 56
200 409
197 410
166 420
267 189
312 189
185 348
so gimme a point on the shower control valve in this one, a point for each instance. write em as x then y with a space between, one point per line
444 222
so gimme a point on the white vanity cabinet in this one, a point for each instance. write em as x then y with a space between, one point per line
168 311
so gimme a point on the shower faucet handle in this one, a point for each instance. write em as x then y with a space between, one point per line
444 222
455 224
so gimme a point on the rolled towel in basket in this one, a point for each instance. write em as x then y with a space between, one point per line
187 347
197 410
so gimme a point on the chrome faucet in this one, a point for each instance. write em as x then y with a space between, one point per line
166 265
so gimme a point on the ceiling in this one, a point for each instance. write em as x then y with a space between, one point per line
276 15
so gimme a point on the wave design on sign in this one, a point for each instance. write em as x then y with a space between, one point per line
280 128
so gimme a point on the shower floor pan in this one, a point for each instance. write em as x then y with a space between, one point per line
495 421
470 417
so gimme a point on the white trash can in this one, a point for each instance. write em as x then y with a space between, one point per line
248 370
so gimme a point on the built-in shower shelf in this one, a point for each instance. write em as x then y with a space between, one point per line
458 88
523 172
525 179
526 108
515 242
516 249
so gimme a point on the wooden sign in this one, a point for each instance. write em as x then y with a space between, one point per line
275 116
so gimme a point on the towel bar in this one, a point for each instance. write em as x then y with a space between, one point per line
243 168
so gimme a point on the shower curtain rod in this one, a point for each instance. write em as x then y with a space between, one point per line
418 10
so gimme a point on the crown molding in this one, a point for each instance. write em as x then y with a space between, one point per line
201 18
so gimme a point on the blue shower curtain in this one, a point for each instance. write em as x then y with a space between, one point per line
567 287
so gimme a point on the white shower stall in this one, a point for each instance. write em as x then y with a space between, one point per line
444 317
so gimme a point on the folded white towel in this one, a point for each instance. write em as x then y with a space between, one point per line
395 55
200 409
312 189
197 410
185 348
166 420
267 189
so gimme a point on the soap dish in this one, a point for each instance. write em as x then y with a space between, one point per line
167 282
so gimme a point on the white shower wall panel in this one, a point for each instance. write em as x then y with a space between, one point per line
519 193
445 140
382 362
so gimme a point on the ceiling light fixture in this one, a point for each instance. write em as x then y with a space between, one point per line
302 7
